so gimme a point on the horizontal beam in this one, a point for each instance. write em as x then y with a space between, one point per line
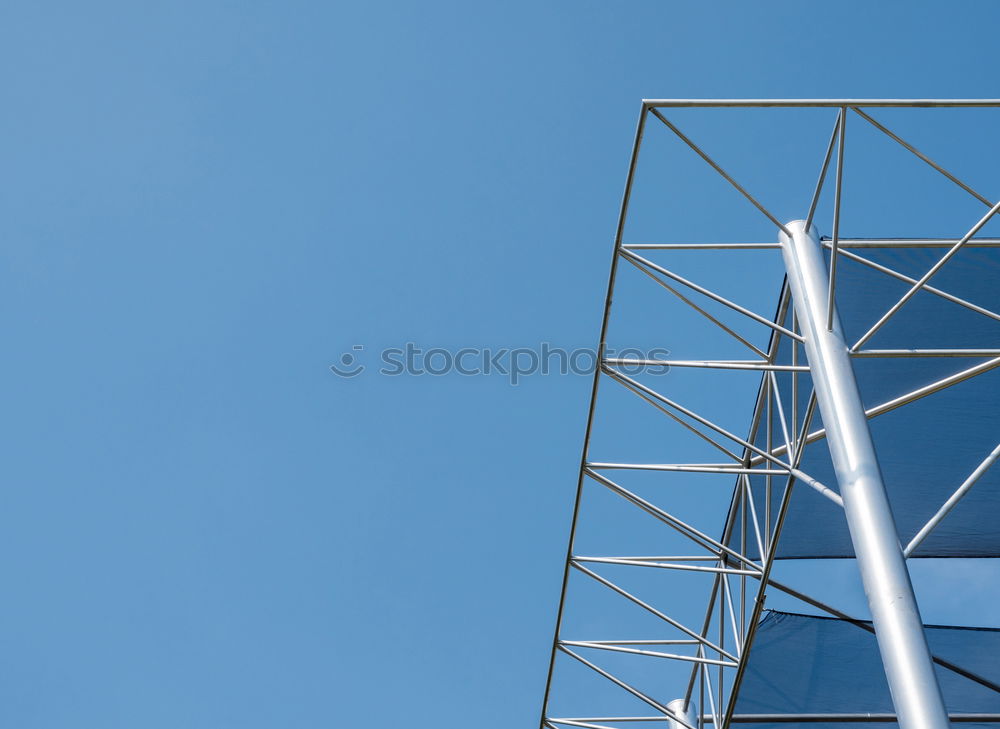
854 718
926 353
857 717
717 364
696 246
842 243
912 242
690 468
799 103
669 641
668 565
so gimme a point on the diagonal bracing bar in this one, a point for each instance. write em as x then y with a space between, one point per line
898 627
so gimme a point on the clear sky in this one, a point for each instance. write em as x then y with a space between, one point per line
205 204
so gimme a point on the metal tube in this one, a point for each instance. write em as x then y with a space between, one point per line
898 627
859 718
915 242
799 103
834 245
720 364
830 718
951 502
822 172
700 246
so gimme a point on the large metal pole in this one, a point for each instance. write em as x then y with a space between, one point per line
898 628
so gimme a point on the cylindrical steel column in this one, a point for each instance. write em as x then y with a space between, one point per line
900 633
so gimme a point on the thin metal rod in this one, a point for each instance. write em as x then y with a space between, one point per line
688 558
952 501
923 156
857 718
749 501
927 276
823 103
622 214
719 364
551 724
844 243
713 707
712 295
795 381
831 718
926 353
718 169
728 595
678 641
776 396
818 486
688 468
822 171
697 246
800 442
899 629
835 243
927 287
640 652
769 443
914 242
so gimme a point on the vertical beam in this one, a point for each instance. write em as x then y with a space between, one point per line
898 627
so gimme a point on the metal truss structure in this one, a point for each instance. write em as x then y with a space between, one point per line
815 366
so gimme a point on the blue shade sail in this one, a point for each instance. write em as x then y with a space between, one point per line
812 665
928 447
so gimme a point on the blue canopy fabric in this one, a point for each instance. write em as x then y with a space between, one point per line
807 664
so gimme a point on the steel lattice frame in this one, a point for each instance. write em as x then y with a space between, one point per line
718 664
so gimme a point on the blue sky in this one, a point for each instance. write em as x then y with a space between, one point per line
205 204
